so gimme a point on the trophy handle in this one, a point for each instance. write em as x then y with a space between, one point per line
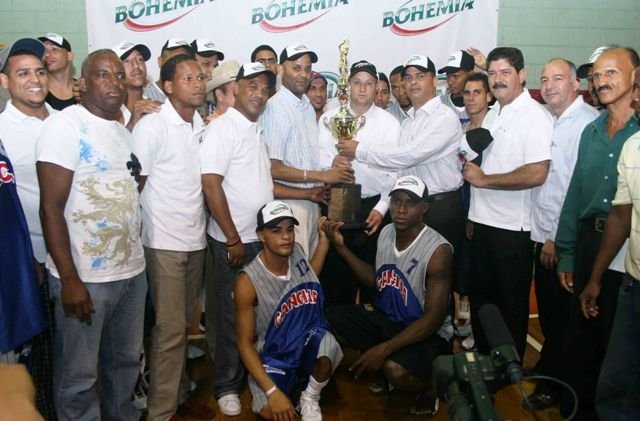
326 121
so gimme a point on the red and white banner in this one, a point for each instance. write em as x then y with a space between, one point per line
384 32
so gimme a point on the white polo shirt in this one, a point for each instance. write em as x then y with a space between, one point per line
173 213
522 134
233 148
380 128
102 211
548 198
19 133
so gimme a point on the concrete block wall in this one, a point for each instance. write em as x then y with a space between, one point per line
33 18
543 29
571 29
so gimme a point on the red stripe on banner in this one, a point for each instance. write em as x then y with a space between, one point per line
278 29
138 27
409 33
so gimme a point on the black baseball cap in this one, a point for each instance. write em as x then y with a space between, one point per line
30 45
363 66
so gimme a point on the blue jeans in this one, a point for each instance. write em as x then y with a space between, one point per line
229 371
109 346
618 392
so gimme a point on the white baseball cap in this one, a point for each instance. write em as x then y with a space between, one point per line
251 70
126 47
423 63
411 185
293 51
57 39
173 43
583 70
273 213
206 48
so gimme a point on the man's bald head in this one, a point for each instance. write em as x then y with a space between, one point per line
612 74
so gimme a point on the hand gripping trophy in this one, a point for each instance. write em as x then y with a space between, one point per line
344 205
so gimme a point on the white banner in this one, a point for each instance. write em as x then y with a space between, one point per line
382 32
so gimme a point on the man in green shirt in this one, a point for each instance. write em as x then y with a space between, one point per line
585 210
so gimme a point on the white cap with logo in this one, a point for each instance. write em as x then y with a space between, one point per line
411 185
273 212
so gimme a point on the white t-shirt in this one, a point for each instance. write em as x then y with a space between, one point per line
381 128
233 148
19 133
522 134
102 211
168 148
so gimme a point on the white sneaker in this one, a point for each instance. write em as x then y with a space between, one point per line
469 343
230 405
310 407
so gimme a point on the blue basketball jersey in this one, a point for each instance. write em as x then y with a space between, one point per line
21 313
400 276
290 323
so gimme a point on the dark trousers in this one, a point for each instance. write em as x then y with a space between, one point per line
501 262
553 309
42 361
446 216
617 396
338 281
586 340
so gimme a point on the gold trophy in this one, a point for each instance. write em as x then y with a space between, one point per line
344 205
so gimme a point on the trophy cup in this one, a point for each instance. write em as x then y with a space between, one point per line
344 205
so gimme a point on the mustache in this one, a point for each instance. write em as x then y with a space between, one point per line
602 88
498 85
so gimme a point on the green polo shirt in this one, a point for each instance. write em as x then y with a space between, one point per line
593 183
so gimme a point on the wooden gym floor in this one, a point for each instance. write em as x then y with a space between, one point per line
347 399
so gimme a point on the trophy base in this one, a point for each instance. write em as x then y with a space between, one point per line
355 226
344 205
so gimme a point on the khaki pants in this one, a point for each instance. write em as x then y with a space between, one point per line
174 282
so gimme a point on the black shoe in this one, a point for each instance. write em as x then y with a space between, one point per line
539 402
426 403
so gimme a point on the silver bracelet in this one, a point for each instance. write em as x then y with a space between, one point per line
304 175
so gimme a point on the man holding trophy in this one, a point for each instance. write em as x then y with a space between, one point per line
290 132
427 148
371 125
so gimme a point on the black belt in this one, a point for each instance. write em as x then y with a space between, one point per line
596 224
443 196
